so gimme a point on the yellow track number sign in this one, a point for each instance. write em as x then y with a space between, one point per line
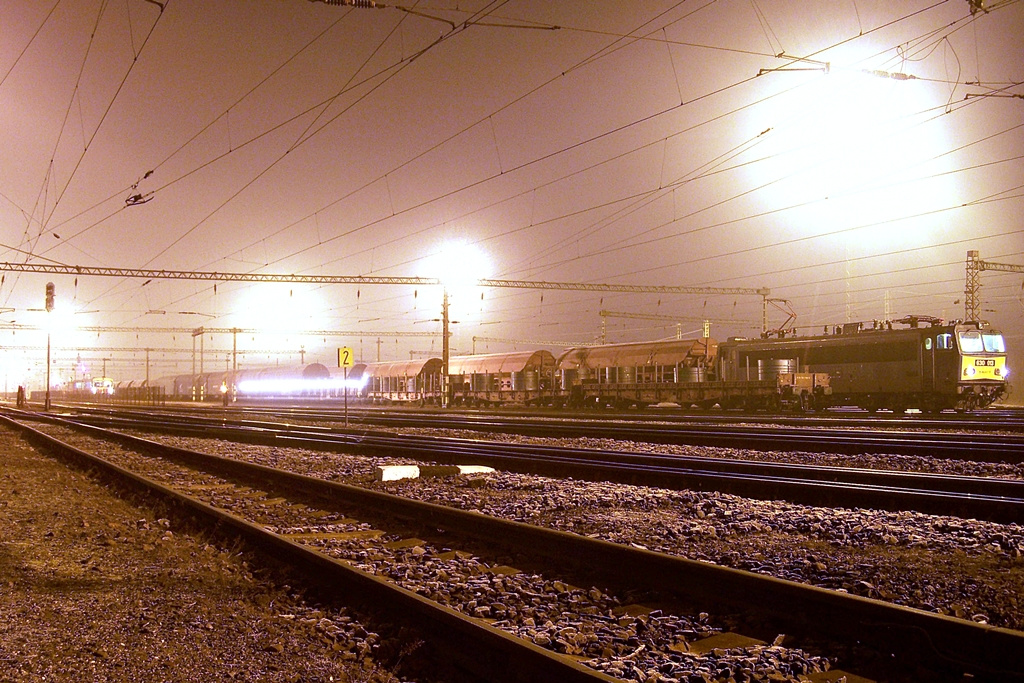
346 358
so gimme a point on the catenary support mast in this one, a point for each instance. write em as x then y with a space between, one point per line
972 289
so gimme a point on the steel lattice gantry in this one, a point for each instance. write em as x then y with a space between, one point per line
972 289
217 276
57 268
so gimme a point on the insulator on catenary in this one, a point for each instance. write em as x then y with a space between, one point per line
349 3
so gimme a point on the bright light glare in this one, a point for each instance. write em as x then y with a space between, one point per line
62 324
15 368
60 320
459 266
294 386
279 308
846 149
104 385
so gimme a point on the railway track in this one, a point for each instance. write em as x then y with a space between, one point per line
1008 420
988 420
784 436
998 500
313 525
978 447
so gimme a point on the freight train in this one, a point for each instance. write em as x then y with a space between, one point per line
916 362
313 379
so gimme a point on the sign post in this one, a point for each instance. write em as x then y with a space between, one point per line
50 296
346 359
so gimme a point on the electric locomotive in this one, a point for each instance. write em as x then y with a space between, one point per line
928 364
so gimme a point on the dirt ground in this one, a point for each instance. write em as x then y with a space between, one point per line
96 589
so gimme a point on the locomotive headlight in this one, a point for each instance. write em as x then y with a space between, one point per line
969 371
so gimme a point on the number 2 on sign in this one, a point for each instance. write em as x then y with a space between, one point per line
346 358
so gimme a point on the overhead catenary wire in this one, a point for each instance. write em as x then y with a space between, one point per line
632 239
471 21
385 265
106 111
561 151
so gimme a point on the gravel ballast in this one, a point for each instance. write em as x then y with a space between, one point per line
97 589
965 568
970 569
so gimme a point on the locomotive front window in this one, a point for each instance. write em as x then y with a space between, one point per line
971 342
993 342
975 341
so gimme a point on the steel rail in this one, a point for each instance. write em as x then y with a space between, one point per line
906 636
990 420
997 500
973 447
489 652
982 448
